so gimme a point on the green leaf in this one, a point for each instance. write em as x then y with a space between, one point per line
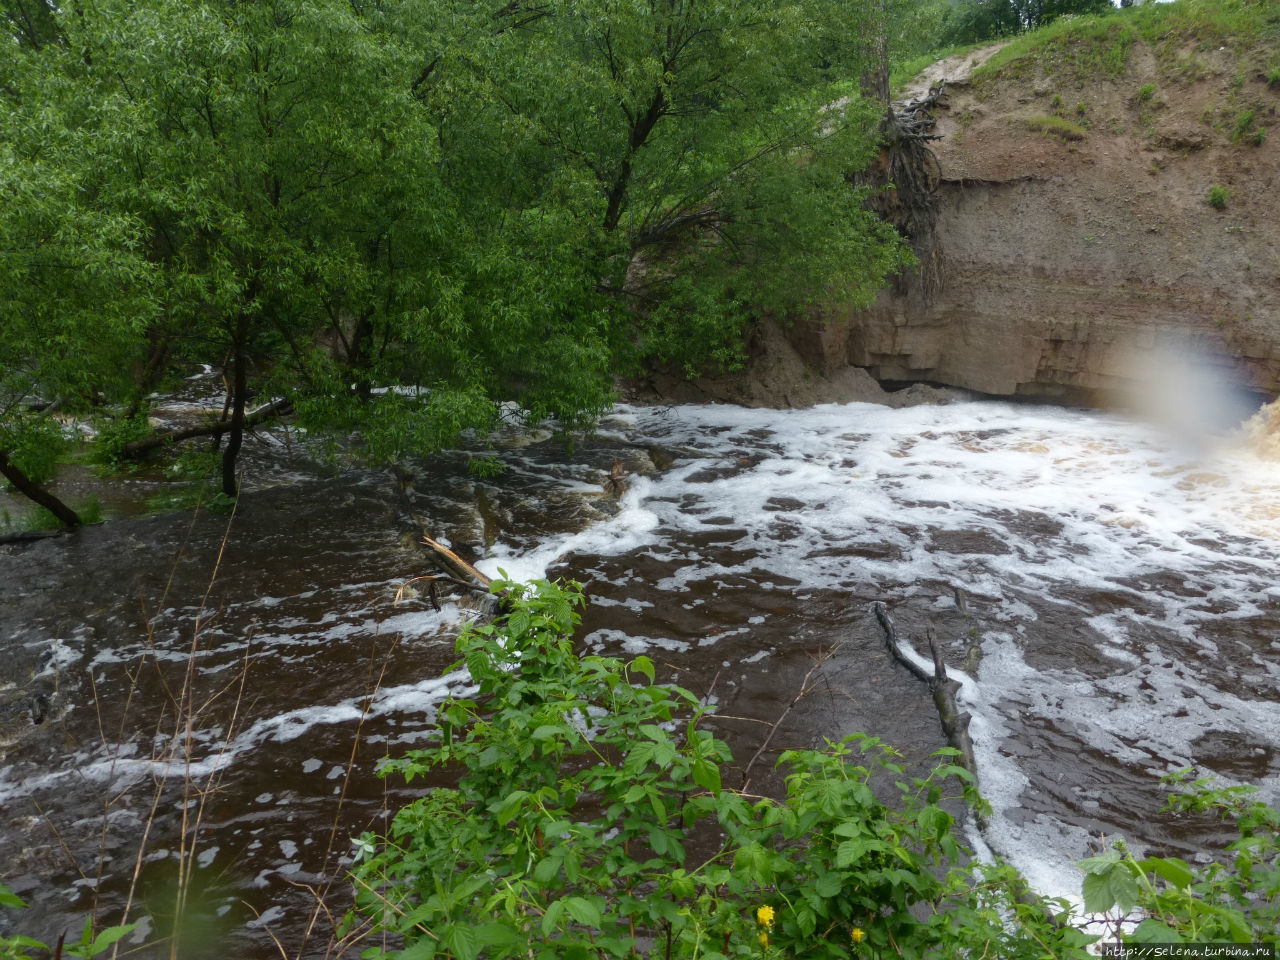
462 941
10 899
1152 930
849 852
423 949
807 920
547 869
644 666
1115 888
1171 869
654 732
552 916
1100 864
109 936
829 884
706 774
518 623
493 934
509 806
547 731
584 912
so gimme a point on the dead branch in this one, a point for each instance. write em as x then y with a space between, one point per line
955 722
455 564
800 695
139 448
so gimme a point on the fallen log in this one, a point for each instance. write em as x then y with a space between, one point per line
457 573
955 722
140 448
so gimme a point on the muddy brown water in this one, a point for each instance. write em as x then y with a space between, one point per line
1115 622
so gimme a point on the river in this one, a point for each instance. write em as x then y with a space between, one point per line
221 688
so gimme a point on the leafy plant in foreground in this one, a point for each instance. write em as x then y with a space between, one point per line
590 819
18 947
1237 901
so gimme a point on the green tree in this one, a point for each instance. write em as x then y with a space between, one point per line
74 282
285 187
684 151
509 204
971 21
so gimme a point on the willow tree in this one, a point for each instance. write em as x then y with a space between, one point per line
287 188
75 284
693 154
494 204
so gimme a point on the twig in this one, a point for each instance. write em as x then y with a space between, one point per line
804 689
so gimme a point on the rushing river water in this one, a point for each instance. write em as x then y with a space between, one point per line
220 689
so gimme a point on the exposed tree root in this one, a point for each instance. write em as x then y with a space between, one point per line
906 180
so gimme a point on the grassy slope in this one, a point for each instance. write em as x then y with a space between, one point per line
1098 46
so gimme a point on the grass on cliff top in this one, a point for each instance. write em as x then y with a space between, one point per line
1093 47
902 73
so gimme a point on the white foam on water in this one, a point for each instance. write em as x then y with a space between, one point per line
1146 541
630 529
122 765
630 643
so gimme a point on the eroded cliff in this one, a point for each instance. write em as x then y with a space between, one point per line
1074 260
1081 252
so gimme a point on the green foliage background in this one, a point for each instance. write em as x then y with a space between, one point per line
494 203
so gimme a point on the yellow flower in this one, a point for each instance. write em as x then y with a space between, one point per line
857 935
764 916
764 940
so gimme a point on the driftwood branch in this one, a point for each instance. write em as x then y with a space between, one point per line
140 448
453 563
891 639
955 722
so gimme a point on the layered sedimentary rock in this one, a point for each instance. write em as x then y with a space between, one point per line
1076 266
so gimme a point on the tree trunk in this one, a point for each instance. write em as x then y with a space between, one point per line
358 355
875 77
33 491
239 390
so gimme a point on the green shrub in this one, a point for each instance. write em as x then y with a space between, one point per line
583 786
1055 126
1146 92
114 434
1218 196
1238 901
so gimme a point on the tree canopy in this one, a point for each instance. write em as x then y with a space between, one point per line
493 203
971 21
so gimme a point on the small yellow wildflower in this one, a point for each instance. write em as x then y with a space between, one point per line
857 935
764 916
764 940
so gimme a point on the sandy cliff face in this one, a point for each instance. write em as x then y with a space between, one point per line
1075 266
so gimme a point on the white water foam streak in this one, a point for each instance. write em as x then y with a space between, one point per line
1122 582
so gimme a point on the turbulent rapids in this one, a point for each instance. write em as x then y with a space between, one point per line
1118 584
